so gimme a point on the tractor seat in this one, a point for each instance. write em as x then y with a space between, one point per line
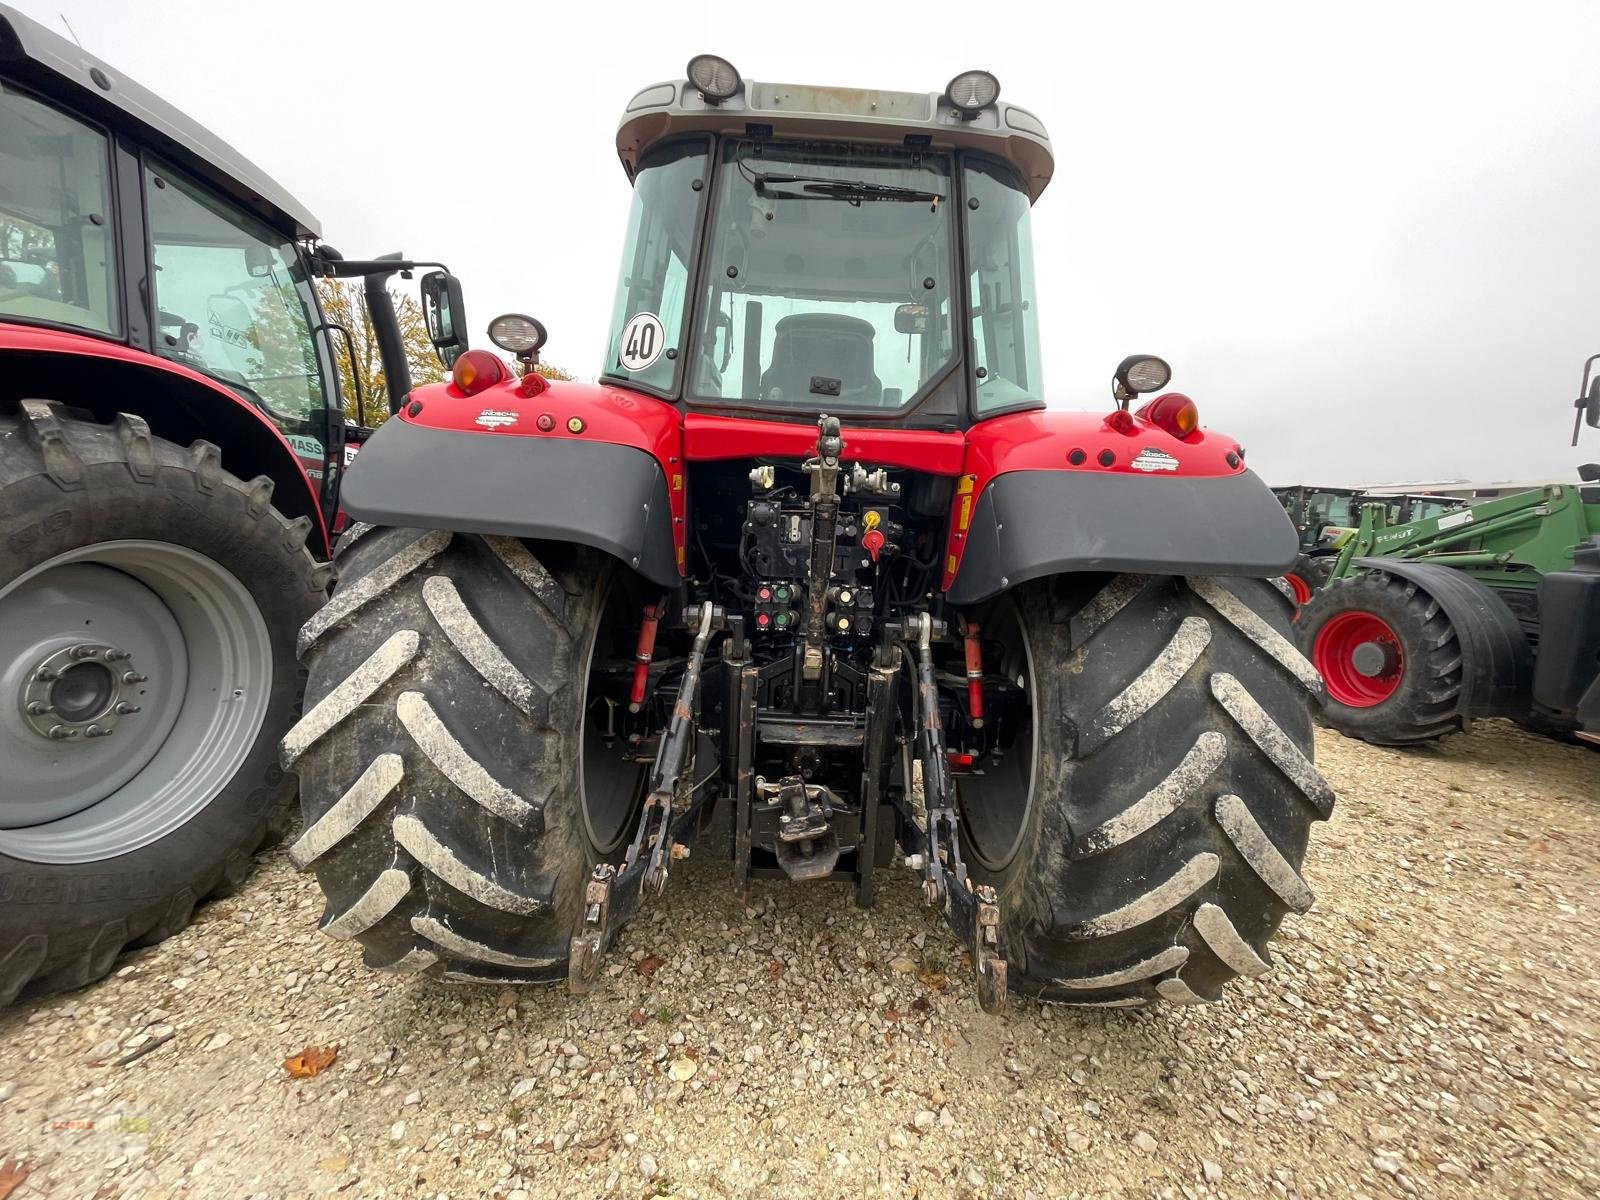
806 345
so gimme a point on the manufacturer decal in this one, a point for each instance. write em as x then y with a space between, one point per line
495 418
1399 535
1464 517
643 340
307 447
1151 459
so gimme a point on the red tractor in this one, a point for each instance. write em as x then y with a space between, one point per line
171 444
811 574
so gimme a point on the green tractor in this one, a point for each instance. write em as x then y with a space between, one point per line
1322 518
1487 611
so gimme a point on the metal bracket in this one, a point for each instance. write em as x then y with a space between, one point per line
589 943
652 847
972 911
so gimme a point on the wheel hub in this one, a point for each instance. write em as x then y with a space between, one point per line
1360 657
1374 659
84 690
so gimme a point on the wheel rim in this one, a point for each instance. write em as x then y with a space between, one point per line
134 679
1300 588
1360 657
997 806
610 785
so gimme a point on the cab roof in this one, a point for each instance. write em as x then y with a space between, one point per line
792 110
56 68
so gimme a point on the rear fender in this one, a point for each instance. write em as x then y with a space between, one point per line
1051 492
1497 662
180 405
607 472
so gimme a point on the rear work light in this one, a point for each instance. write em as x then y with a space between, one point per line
970 92
714 78
476 370
1174 412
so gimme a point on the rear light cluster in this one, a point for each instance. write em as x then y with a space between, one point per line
477 370
1174 412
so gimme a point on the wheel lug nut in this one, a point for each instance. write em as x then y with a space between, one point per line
61 732
133 677
44 675
84 651
124 708
96 731
115 655
38 708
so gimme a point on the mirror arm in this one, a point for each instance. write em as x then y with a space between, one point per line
386 328
353 268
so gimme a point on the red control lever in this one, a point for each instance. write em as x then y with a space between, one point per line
872 542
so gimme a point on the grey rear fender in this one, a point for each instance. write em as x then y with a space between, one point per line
1029 524
591 493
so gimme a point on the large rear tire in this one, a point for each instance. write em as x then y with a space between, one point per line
1146 845
1392 661
441 756
149 602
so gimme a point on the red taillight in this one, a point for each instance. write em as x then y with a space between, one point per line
476 370
1174 412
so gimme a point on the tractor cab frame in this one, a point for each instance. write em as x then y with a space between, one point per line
793 247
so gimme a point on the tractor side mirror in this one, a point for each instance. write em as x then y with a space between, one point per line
258 260
1591 405
445 313
911 318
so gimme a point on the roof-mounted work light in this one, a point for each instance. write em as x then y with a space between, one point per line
970 92
714 78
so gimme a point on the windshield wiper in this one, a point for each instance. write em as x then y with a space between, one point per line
852 191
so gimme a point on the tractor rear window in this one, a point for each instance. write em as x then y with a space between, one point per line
830 278
56 255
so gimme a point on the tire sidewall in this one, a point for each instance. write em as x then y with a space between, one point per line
40 520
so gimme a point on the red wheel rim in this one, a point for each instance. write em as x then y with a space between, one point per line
1300 588
1360 659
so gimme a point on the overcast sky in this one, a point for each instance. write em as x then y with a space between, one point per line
1367 237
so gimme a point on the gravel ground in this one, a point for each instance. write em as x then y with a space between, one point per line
1430 1029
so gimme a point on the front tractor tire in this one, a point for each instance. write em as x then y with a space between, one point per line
1145 828
1392 661
149 603
441 755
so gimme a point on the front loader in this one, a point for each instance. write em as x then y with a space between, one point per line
1487 611
811 580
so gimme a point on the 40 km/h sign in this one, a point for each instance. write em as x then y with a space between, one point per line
643 340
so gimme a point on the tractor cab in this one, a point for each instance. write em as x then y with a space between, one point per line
797 249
